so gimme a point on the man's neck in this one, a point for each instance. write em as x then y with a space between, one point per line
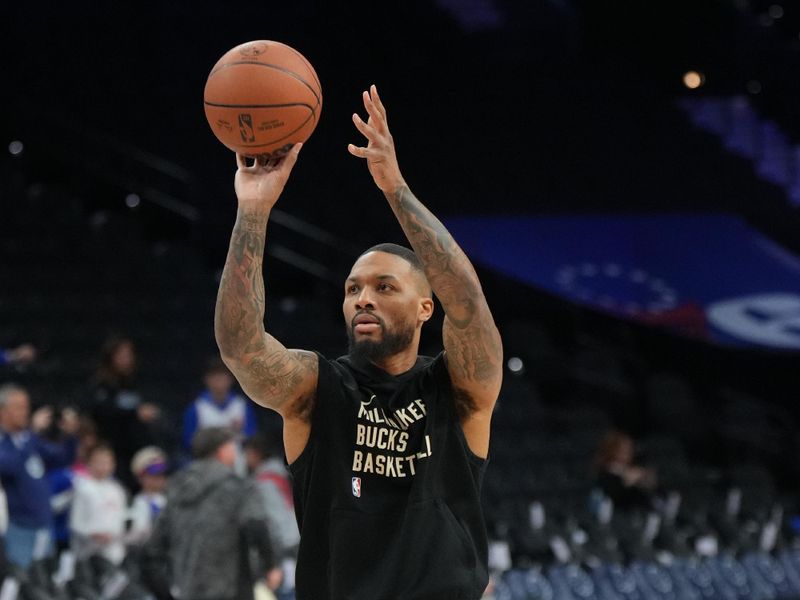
398 364
219 399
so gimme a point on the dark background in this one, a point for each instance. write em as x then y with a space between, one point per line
562 106
504 107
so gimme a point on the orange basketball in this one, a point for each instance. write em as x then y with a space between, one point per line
261 98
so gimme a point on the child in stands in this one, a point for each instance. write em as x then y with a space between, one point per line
99 509
149 465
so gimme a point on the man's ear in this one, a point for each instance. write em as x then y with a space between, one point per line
425 309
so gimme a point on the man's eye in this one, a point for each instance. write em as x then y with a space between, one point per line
384 287
352 289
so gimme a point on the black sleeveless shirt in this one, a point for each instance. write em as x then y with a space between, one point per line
387 492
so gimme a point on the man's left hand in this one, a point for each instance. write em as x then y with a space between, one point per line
42 419
379 152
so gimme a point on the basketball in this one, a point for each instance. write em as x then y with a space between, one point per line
261 98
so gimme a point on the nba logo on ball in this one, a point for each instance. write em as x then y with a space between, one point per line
357 487
246 128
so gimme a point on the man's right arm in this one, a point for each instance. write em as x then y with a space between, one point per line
280 379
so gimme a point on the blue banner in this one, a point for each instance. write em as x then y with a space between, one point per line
710 276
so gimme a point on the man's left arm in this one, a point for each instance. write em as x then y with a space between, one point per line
473 349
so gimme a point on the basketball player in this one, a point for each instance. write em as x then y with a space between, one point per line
386 448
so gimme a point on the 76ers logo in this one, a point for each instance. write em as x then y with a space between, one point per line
357 487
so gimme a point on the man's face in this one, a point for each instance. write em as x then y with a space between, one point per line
383 306
226 453
219 384
14 416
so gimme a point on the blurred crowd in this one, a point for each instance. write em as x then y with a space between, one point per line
115 497
109 499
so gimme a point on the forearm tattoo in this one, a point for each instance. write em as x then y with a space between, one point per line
268 372
239 316
470 336
447 268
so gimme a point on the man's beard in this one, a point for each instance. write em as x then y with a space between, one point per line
391 343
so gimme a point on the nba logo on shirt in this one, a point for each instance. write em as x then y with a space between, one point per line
357 487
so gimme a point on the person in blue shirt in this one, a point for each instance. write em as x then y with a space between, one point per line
25 458
21 355
218 406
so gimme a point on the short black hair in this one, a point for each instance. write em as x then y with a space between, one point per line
207 441
215 365
407 254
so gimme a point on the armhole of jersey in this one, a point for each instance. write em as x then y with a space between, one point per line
442 378
473 458
301 462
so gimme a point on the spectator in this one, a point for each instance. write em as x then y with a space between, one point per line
116 406
97 518
62 482
218 406
87 440
628 485
149 465
3 530
21 355
194 552
265 463
24 460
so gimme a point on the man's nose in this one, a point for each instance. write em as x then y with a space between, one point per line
364 300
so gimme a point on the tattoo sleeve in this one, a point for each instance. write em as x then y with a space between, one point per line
239 317
471 340
269 373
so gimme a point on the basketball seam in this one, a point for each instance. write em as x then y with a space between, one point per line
218 105
262 64
309 66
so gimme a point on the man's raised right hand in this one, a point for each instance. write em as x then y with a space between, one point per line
259 186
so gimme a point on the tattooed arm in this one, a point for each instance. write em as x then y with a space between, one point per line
280 379
472 343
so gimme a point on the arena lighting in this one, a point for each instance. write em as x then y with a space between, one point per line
16 147
775 11
132 200
288 305
693 79
754 86
515 364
